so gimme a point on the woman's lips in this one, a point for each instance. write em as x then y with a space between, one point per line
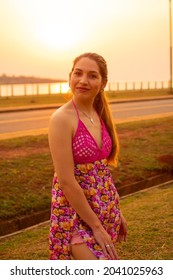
82 89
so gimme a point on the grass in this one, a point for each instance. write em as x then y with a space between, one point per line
26 179
149 216
150 233
33 100
141 145
27 171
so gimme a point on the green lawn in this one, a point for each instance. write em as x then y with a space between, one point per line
149 216
27 170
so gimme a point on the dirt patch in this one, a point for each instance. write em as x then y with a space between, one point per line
166 159
8 152
20 152
139 132
166 162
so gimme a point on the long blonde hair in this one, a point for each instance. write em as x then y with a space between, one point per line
101 105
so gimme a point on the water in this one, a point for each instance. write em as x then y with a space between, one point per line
33 89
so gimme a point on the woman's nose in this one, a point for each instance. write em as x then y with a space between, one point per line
83 80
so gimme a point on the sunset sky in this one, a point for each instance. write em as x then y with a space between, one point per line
42 37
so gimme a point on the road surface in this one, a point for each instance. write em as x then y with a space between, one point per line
14 124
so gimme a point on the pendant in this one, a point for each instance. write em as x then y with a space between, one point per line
91 120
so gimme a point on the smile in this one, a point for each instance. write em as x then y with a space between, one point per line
82 89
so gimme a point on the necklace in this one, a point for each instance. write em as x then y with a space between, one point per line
86 115
90 118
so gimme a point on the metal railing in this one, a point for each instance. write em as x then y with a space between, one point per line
9 90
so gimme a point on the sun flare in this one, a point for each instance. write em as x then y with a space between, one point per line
59 35
42 37
54 24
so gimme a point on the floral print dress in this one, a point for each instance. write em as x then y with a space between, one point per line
93 175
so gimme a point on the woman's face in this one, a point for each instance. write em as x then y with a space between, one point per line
85 79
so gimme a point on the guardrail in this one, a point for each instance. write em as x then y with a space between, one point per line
9 90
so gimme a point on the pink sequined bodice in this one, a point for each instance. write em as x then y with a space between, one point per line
85 148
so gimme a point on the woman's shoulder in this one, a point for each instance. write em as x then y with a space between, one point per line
64 115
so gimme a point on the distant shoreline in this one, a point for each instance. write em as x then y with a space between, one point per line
4 79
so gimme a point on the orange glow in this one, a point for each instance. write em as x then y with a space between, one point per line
61 38
42 37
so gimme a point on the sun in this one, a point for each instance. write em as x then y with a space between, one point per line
59 35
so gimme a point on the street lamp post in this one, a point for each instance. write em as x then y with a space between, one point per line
170 24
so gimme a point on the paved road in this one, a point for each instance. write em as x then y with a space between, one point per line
141 110
36 121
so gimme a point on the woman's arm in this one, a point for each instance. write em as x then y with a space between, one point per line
60 142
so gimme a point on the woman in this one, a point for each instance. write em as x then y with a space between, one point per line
85 217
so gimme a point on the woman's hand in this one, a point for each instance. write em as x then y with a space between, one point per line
105 242
122 236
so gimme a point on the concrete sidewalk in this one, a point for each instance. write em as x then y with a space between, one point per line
54 106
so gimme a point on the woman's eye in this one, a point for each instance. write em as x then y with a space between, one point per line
93 76
77 73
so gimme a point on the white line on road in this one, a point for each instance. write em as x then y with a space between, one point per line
25 120
45 130
113 110
141 108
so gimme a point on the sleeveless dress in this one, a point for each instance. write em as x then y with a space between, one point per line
93 175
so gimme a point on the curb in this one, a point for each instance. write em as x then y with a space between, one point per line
14 225
55 106
22 223
145 184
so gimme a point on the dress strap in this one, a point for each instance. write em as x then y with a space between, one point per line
75 108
